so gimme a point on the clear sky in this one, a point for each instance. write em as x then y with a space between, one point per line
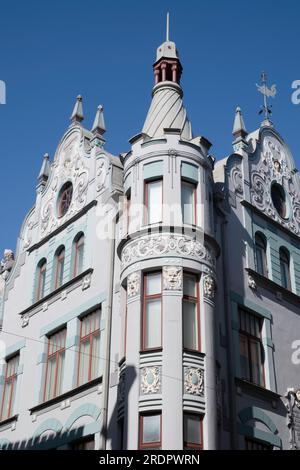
51 51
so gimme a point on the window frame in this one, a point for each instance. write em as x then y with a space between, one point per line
260 243
146 299
192 445
60 257
78 245
41 275
66 189
286 265
83 339
196 301
149 445
194 186
13 378
147 183
58 354
250 338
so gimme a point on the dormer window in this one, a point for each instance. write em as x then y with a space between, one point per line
65 199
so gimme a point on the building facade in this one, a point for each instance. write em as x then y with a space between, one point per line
153 300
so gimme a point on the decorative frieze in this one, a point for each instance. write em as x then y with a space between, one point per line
194 381
172 278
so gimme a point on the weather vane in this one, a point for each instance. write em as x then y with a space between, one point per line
266 92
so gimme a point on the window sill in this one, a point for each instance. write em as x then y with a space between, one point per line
151 350
66 395
52 294
274 287
9 420
257 390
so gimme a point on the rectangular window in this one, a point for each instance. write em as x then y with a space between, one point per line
55 364
251 348
153 201
252 444
188 203
191 312
152 309
89 351
192 431
150 431
9 390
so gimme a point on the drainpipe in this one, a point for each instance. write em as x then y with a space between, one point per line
106 372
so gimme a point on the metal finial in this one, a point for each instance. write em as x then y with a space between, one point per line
168 27
266 92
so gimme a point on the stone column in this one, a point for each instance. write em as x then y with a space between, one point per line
172 418
208 285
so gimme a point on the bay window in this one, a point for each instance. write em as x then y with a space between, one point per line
153 201
190 312
150 431
152 308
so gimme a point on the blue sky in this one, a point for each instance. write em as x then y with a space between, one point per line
51 51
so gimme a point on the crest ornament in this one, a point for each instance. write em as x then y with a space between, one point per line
150 380
194 381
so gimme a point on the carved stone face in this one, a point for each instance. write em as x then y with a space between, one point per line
133 284
298 395
172 277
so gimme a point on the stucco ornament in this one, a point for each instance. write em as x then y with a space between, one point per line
102 171
69 165
252 283
237 179
133 285
273 167
194 381
172 277
6 263
86 281
150 380
293 416
157 245
209 287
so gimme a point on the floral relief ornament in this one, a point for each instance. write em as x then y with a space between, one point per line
209 287
150 380
194 381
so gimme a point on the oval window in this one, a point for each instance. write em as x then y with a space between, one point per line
279 199
65 198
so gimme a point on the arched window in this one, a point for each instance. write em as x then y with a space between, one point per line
284 257
78 247
59 266
41 279
261 254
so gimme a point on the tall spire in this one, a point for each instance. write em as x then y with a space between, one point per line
44 171
239 128
168 28
77 114
99 124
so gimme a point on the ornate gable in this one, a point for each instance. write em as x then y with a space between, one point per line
274 180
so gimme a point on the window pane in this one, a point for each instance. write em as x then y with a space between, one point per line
190 327
256 364
244 358
188 203
153 324
6 412
95 372
60 371
50 379
284 268
192 429
260 260
154 202
151 429
153 282
189 286
84 359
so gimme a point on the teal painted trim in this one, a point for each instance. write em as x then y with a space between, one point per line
250 305
2 380
4 443
15 348
268 342
189 171
152 170
72 341
51 424
88 409
42 358
263 436
73 314
253 412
